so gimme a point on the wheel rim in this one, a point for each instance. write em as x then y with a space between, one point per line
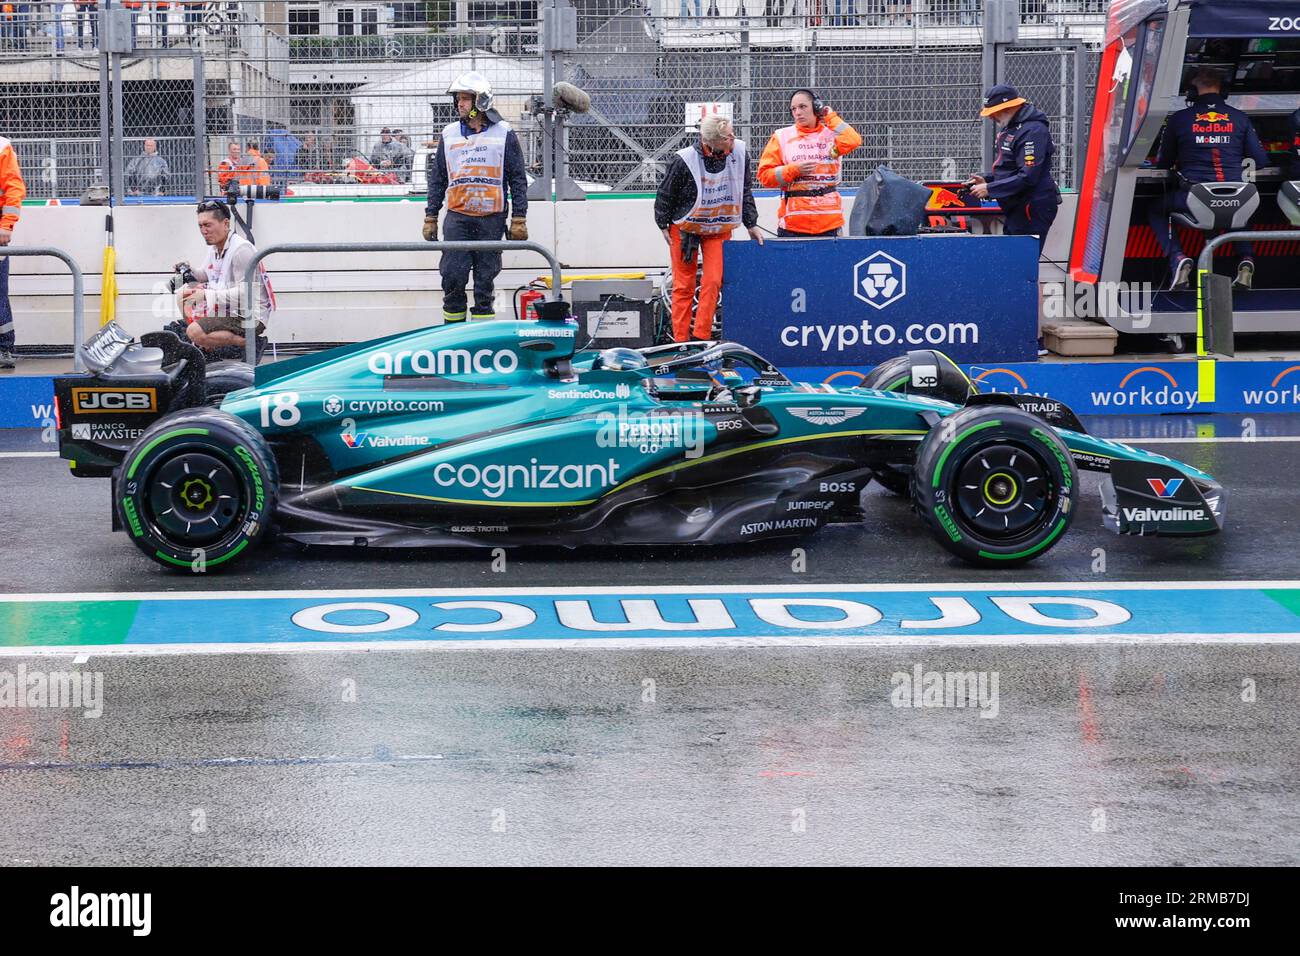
195 498
1003 492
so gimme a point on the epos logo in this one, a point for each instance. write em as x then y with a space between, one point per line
880 280
92 401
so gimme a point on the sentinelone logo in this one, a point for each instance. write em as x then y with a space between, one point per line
1274 395
1150 392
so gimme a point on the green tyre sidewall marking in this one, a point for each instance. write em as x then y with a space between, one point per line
932 498
226 443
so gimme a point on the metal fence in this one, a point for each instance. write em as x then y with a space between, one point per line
311 86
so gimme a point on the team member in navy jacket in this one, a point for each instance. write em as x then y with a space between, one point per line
1021 178
1206 143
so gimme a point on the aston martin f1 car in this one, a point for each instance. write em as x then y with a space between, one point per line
501 434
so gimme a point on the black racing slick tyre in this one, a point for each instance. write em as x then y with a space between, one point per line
995 485
891 376
197 490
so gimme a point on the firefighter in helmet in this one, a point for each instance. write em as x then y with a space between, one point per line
479 173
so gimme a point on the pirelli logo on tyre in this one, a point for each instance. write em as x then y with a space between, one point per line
117 401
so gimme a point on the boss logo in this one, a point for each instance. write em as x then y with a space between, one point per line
838 487
1284 23
116 400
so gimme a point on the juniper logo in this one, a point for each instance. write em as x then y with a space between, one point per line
75 908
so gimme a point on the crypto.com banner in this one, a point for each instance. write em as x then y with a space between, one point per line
861 300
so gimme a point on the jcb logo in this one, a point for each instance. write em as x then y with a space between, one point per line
116 400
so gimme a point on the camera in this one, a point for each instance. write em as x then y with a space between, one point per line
234 191
182 275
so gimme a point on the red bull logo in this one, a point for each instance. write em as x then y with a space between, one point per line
1214 116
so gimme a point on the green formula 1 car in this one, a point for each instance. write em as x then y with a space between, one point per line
499 434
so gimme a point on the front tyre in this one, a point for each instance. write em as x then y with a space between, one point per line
995 485
197 490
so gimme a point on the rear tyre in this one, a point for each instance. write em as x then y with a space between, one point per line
197 490
995 485
892 375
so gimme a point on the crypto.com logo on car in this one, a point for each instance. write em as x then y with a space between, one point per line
880 280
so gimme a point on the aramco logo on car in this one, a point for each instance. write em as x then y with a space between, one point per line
880 280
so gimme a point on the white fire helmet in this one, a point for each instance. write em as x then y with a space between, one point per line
475 83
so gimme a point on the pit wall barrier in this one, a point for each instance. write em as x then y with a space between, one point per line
1090 388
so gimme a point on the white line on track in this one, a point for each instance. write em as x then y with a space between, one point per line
29 454
1208 440
335 594
656 643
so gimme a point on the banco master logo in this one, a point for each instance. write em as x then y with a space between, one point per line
880 280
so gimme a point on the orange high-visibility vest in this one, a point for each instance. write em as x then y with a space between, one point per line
820 210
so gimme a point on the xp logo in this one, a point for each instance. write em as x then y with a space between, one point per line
880 280
1165 488
332 405
117 400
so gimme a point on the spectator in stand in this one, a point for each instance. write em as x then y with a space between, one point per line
193 20
158 22
228 168
87 22
388 153
407 158
146 174
311 158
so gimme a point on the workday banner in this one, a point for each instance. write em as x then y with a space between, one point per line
859 300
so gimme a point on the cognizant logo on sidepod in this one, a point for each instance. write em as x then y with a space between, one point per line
495 480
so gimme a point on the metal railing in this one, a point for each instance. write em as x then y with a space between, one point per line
1205 315
78 293
500 245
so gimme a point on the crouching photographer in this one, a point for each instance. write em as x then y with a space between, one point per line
213 300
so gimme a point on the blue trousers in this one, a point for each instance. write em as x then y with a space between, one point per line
6 313
455 266
1031 219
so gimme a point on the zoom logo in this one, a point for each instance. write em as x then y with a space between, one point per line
1284 23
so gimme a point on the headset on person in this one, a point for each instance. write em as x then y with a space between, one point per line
817 104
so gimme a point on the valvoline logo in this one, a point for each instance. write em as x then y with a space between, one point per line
1165 488
353 440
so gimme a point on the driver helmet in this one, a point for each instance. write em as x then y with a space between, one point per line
476 83
621 359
